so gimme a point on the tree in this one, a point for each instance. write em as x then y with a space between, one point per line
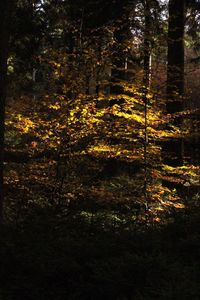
175 69
5 9
146 78
175 57
173 148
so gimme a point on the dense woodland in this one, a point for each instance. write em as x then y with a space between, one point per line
99 149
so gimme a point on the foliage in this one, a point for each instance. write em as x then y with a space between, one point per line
92 208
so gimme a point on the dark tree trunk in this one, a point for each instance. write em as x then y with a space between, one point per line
5 6
173 149
175 67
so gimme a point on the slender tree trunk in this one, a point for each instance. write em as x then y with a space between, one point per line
5 6
146 83
147 45
175 67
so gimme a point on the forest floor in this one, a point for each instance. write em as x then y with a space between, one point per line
64 254
79 227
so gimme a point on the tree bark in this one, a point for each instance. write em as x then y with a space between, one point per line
173 148
147 45
175 57
146 82
5 6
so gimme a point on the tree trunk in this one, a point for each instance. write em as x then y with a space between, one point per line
146 82
175 67
5 6
147 45
173 149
